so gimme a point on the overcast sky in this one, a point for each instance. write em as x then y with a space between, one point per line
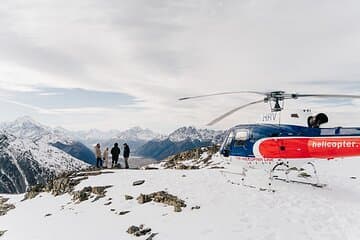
116 64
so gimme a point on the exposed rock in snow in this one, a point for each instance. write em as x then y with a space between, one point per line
138 231
66 182
2 232
162 197
193 159
138 182
85 193
4 206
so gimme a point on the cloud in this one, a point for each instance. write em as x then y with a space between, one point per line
157 51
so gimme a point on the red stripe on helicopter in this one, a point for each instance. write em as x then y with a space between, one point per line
309 147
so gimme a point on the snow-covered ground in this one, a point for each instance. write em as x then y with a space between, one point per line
227 211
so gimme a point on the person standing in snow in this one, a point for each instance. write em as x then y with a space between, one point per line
126 154
106 158
98 156
115 152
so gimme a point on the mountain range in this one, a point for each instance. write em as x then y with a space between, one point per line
183 139
143 142
32 153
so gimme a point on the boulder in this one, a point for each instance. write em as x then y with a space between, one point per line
196 207
5 207
85 193
162 197
2 232
139 182
128 197
143 198
133 229
123 212
138 231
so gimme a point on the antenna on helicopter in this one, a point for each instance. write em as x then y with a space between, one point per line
275 98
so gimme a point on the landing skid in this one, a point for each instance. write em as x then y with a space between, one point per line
289 169
242 183
318 185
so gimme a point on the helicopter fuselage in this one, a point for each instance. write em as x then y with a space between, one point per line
268 142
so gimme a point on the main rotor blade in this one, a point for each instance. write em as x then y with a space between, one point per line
327 95
221 93
216 120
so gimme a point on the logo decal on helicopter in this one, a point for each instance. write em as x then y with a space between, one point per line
307 147
269 117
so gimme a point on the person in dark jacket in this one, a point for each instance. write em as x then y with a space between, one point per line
126 154
115 152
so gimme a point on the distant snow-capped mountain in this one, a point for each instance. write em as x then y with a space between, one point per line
138 133
192 133
182 139
25 162
132 134
28 129
135 137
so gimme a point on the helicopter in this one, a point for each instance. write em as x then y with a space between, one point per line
286 138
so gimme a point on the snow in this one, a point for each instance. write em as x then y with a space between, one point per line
228 211
46 155
27 128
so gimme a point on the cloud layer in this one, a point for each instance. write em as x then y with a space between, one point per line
157 51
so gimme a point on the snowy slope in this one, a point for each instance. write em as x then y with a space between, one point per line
227 211
25 162
49 157
28 128
29 155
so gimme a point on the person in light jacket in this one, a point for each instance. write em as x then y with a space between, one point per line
106 158
98 156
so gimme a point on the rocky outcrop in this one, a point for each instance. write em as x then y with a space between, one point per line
66 183
86 192
2 232
138 231
4 206
163 197
193 159
128 197
138 182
